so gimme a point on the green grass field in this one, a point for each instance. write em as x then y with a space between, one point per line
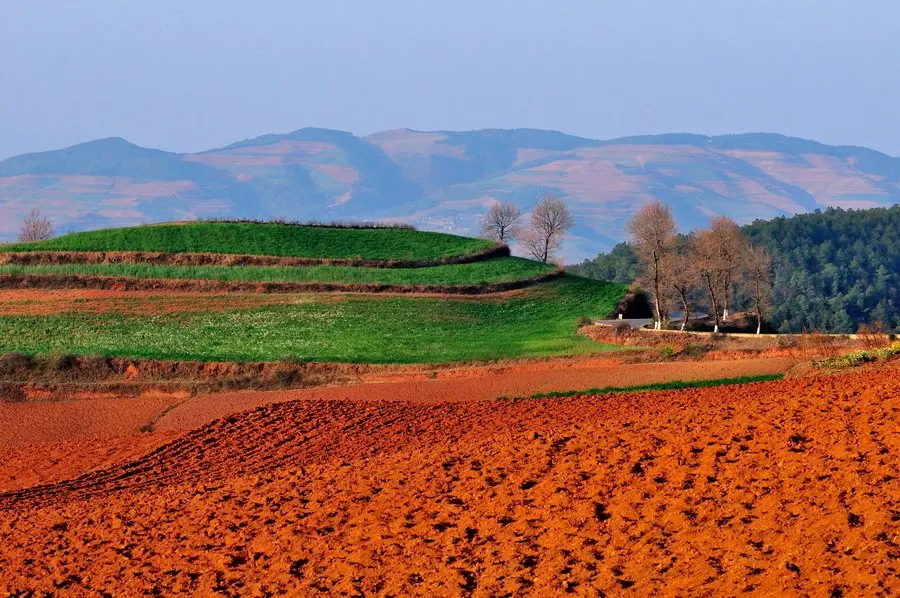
538 322
674 385
282 240
477 273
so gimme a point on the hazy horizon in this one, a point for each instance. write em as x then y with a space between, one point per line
186 77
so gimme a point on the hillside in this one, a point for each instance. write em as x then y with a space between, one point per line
444 180
243 291
832 270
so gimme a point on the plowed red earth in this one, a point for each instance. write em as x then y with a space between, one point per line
90 433
472 384
778 488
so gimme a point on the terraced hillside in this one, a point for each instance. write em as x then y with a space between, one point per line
343 294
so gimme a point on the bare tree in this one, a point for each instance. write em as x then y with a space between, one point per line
758 269
709 265
501 222
684 280
36 227
652 232
550 219
731 246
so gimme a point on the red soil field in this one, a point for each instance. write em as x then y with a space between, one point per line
471 384
92 432
32 464
779 488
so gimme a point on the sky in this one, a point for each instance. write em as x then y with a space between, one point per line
187 75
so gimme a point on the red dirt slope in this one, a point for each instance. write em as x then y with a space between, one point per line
786 487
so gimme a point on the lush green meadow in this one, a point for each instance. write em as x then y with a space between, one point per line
348 328
282 240
477 273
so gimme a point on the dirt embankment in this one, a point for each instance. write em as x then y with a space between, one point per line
26 258
126 283
71 377
65 376
778 488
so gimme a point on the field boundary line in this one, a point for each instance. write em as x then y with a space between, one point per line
61 257
125 283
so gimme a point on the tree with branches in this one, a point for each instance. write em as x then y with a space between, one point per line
550 219
730 244
501 223
684 279
758 272
652 232
36 227
713 271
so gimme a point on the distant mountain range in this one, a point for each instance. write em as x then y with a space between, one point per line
445 180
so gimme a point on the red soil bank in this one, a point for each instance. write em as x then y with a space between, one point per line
778 488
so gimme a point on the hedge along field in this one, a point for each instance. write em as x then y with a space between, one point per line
357 328
273 239
476 273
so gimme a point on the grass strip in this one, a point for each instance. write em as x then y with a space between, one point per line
285 240
674 385
477 273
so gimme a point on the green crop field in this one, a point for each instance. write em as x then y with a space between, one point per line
282 240
363 328
673 385
477 273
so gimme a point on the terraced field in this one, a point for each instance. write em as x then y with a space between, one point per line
409 297
355 328
726 479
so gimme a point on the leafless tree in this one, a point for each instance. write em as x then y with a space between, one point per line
652 232
550 219
36 227
709 264
731 246
684 279
501 222
758 271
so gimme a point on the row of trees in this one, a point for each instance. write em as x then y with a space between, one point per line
712 262
550 219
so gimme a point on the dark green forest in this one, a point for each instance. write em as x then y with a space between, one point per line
831 272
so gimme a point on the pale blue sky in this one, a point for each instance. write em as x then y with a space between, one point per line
186 75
